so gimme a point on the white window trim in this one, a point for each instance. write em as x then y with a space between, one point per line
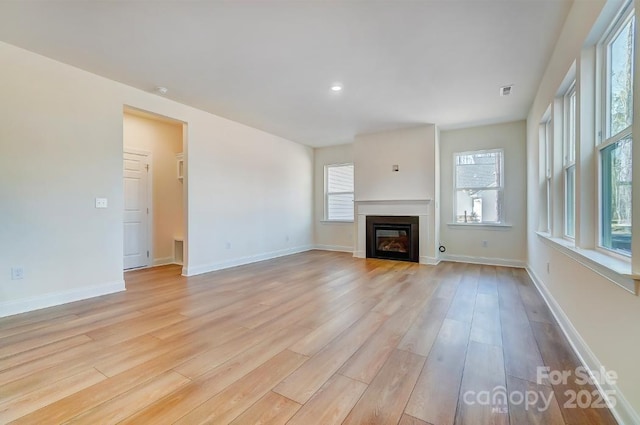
326 218
614 269
545 133
484 226
567 161
625 15
603 105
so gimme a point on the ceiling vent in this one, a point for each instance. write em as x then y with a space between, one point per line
506 90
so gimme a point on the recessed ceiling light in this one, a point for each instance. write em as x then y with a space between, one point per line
336 87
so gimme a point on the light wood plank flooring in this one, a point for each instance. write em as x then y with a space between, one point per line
312 338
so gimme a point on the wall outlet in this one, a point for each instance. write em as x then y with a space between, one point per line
485 244
101 203
228 245
17 273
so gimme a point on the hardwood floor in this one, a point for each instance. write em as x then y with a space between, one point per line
313 338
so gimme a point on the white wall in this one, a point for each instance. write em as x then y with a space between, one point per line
330 235
61 132
505 245
602 315
247 188
412 149
164 141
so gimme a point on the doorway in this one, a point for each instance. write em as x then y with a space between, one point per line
154 193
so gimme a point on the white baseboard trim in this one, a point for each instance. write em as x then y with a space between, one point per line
430 261
488 261
623 411
9 308
163 261
336 248
359 254
206 268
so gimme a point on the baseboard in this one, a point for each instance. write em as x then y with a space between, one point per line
623 411
359 254
488 261
206 268
430 261
9 308
163 261
336 248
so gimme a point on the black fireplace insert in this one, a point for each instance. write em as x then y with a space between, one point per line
393 238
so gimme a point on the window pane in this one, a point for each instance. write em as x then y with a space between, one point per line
340 207
478 206
340 178
478 170
620 80
340 192
547 149
616 196
570 208
570 155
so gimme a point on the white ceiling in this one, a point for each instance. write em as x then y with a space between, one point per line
269 64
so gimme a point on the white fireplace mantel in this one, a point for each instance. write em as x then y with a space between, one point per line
396 207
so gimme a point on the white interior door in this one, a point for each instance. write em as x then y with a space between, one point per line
136 210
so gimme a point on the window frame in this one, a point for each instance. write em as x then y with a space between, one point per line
327 194
499 189
626 15
548 171
569 149
603 108
546 159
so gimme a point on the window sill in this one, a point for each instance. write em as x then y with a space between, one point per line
485 226
336 221
616 270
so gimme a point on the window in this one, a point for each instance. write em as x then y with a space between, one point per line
479 186
339 192
585 183
616 145
547 172
546 218
569 163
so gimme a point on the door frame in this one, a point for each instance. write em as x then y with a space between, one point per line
149 200
129 108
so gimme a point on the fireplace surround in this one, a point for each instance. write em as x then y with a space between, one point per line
393 237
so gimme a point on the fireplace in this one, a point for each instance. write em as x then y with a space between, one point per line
393 237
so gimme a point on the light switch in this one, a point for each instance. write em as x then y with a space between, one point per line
101 202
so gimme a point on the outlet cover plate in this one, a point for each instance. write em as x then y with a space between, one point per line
17 273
